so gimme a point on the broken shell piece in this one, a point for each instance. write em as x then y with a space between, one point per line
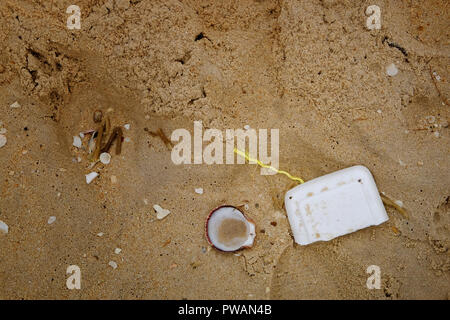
112 264
91 176
15 105
127 126
51 219
105 158
3 130
199 190
228 229
2 140
391 70
76 141
160 212
3 227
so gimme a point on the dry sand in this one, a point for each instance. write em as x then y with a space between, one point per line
308 68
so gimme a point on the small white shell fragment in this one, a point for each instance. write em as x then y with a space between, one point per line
3 227
51 219
246 127
112 264
91 176
113 179
81 135
76 141
117 250
3 130
160 212
399 203
436 134
379 111
127 126
438 78
100 234
199 190
105 158
391 70
127 139
228 229
334 205
15 105
2 140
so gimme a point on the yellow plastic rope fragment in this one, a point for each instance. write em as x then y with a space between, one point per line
246 156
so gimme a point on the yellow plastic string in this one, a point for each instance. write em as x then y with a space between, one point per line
246 156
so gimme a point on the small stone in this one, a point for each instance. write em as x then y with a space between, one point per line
2 140
91 176
160 212
117 250
15 105
112 264
51 219
3 227
199 190
98 116
76 141
105 158
391 70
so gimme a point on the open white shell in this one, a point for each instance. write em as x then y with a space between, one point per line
228 229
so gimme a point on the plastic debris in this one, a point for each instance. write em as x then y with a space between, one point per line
3 227
91 176
105 157
160 212
334 205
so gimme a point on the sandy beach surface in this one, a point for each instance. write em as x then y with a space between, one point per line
308 68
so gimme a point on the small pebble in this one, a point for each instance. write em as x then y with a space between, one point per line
105 158
76 141
391 70
160 212
15 105
117 250
91 176
2 140
51 219
199 190
3 227
113 264
98 115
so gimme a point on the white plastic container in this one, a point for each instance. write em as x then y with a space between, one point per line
334 205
